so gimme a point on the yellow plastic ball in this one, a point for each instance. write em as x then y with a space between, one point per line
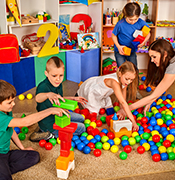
29 96
162 149
169 113
146 146
154 132
93 124
170 137
21 97
106 146
159 122
58 140
89 137
174 150
134 134
117 141
139 118
114 148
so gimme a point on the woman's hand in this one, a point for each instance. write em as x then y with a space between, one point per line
54 98
135 127
59 111
121 114
80 99
147 107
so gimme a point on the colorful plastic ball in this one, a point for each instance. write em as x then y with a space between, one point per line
102 111
164 156
106 146
17 130
165 133
159 122
86 142
111 142
142 141
138 139
167 143
86 150
157 128
169 96
77 142
75 137
141 86
114 149
153 122
25 130
116 108
110 135
172 131
82 138
97 137
105 131
72 148
21 97
154 147
84 134
125 143
21 136
151 143
97 152
29 96
125 138
89 129
140 149
87 121
134 134
127 149
99 123
168 117
59 142
42 143
53 141
148 89
169 149
156 157
156 138
98 145
103 119
146 135
80 146
170 137
104 139
102 134
132 141
143 78
168 122
91 145
72 143
162 149
117 141
172 126
154 152
171 156
89 137
93 140
93 124
48 146
77 110
123 155
146 146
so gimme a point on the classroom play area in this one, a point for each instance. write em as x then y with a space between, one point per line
79 32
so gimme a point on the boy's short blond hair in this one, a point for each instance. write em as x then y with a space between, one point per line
7 91
56 61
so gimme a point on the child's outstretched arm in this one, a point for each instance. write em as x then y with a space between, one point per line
34 118
120 48
53 97
79 99
118 92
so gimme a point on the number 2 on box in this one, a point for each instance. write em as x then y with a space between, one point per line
48 48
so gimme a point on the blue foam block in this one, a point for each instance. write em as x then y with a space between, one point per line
110 111
21 74
81 66
135 44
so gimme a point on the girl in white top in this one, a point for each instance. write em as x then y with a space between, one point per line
160 73
97 90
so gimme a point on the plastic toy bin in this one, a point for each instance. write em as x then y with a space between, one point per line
81 66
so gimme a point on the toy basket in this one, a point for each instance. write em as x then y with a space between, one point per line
32 42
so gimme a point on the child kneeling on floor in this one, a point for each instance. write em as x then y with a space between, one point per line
13 161
49 91
97 90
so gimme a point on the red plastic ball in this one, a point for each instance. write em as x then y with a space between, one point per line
102 134
93 119
144 125
89 129
172 126
141 87
48 146
147 130
156 138
77 110
110 135
42 142
144 120
116 104
99 123
97 152
102 111
140 149
167 143
127 149
91 145
94 114
156 157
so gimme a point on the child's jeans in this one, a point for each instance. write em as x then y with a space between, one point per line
120 59
76 118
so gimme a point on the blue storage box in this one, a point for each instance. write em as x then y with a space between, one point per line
21 74
81 66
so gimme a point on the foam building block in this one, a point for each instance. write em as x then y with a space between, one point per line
81 66
127 51
68 104
110 111
21 74
40 66
137 32
139 38
145 31
62 121
135 44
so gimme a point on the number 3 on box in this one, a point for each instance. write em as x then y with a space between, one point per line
48 48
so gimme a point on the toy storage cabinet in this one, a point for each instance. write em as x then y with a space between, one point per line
81 66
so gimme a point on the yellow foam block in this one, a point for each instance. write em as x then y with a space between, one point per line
127 51
145 31
63 162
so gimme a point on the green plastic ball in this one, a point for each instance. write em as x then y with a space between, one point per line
98 145
84 134
146 135
140 115
87 121
25 130
132 141
86 125
103 119
116 108
53 141
169 149
21 136
168 117
158 144
72 148
171 156
104 139
125 138
123 155
138 138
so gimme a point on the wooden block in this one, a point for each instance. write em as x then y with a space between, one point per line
29 20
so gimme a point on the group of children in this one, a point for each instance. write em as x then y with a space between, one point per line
93 94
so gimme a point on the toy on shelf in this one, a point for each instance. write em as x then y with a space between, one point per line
42 16
120 128
109 66
68 44
29 19
166 23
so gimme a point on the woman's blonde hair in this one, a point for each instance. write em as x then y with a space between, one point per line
128 66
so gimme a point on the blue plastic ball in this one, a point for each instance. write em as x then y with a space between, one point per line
157 127
104 130
80 146
164 93
82 138
75 137
143 78
93 140
97 137
111 142
86 142
141 128
86 150
158 115
17 129
169 122
135 113
165 133
153 122
154 152
125 143
164 156
142 141
72 144
153 147
148 89
154 103
169 96
140 132
158 107
151 143
172 131
77 142
163 98
168 105
150 128
163 129
173 110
